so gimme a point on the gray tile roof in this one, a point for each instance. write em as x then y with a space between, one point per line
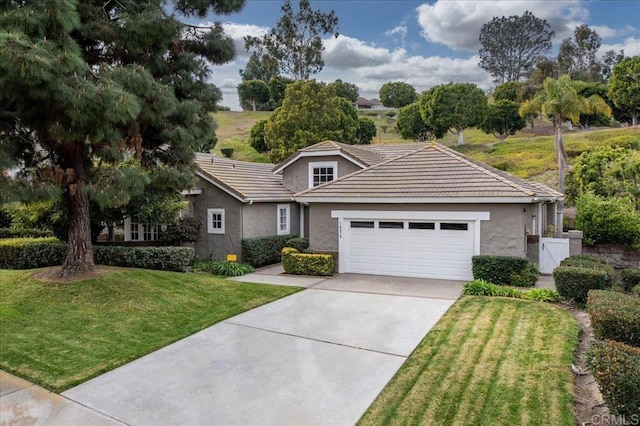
430 171
248 181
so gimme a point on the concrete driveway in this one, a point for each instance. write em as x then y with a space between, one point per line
318 357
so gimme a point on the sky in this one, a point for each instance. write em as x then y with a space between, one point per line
423 43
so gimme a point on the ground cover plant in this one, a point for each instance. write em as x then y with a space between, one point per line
481 287
488 361
222 267
60 335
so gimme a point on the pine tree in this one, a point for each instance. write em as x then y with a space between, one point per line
88 87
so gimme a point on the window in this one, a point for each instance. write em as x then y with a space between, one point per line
283 217
391 225
454 226
215 221
356 224
141 231
422 225
322 172
135 235
150 232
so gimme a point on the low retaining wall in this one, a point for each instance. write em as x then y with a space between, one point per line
616 255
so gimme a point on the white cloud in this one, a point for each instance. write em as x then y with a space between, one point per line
237 32
630 45
457 24
399 31
346 52
608 32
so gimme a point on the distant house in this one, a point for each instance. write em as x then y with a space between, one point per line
374 104
413 209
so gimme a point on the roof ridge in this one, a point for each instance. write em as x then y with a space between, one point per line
451 153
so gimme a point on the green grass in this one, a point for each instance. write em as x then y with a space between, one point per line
488 361
61 335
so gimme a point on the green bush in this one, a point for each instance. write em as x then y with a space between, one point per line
25 233
616 367
296 263
542 295
262 251
574 283
615 316
227 152
27 253
505 270
480 287
224 268
300 244
162 258
630 278
608 221
186 229
583 260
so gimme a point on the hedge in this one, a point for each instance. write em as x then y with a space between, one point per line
505 270
616 367
294 262
615 316
583 260
162 258
262 251
630 278
574 283
300 244
27 253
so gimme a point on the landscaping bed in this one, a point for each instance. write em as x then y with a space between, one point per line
59 335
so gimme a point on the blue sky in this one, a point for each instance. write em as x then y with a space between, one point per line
423 43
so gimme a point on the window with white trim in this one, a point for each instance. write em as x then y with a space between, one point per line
284 219
322 172
142 231
215 221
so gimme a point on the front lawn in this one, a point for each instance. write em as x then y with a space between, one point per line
488 361
61 335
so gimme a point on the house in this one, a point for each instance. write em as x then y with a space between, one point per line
364 103
411 209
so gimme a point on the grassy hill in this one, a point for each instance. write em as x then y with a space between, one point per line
528 154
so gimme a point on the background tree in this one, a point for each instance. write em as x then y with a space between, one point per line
577 56
346 90
514 91
512 46
560 101
592 115
259 68
456 106
295 44
310 113
278 87
397 94
80 91
256 137
503 119
366 131
411 125
253 93
624 87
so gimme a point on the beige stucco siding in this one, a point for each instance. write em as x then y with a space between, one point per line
296 176
503 234
260 219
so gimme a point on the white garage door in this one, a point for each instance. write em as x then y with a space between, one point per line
431 249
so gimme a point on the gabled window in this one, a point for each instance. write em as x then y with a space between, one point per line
322 172
284 219
215 221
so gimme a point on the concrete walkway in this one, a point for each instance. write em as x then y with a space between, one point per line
318 357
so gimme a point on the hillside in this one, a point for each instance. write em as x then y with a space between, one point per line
529 154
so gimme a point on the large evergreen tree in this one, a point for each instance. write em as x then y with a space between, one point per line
86 87
624 88
512 45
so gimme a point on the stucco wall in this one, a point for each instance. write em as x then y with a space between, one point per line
503 234
217 246
260 219
296 176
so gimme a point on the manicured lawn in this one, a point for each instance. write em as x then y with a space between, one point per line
488 361
61 335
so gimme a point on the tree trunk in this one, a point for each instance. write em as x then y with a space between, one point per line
562 162
460 137
253 104
80 254
634 119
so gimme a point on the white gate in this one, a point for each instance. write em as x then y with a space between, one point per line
552 252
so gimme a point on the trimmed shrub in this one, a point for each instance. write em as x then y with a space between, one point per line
615 316
630 278
574 283
224 268
27 253
583 260
162 258
186 229
505 270
614 221
297 263
262 251
227 152
616 367
25 233
300 244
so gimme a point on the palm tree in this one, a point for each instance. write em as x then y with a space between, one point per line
560 101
